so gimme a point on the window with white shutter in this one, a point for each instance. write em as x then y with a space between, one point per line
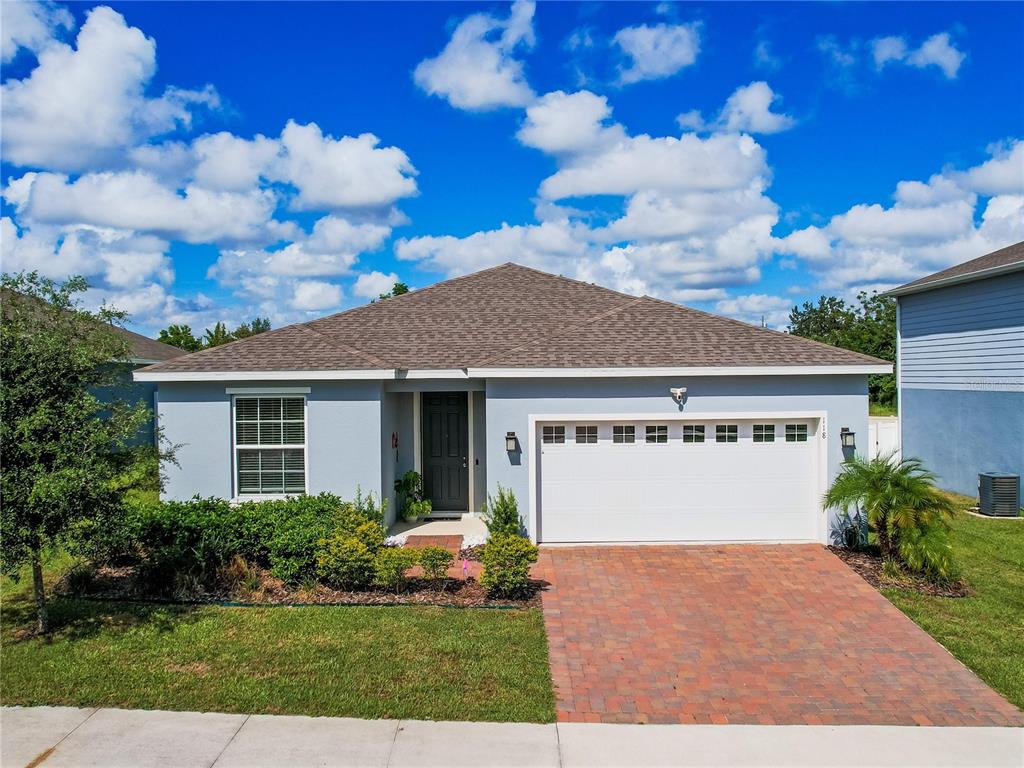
270 445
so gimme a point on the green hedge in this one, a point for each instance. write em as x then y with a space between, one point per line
196 538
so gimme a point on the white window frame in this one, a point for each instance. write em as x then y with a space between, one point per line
554 435
797 433
236 496
657 434
703 433
624 441
735 433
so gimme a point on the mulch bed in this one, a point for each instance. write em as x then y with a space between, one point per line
868 565
119 584
473 554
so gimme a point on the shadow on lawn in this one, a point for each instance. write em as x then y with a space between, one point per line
74 619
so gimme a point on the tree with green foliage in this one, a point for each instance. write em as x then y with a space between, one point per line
180 336
64 452
257 326
217 335
867 326
396 290
904 509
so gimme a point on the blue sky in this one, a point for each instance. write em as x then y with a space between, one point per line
214 161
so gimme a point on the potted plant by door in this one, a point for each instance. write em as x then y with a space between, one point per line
410 492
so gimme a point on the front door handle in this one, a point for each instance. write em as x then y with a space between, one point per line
465 462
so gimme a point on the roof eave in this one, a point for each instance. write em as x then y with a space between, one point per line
969 277
157 375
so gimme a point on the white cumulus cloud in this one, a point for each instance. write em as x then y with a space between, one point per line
748 109
478 68
315 295
370 285
657 51
85 107
30 25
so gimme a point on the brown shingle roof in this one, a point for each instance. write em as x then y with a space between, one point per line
514 317
145 348
1005 257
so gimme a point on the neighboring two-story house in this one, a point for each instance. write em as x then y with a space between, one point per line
960 369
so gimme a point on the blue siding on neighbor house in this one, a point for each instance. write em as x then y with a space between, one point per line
962 379
510 402
968 336
343 431
959 433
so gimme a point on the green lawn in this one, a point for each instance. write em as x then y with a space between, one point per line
877 409
986 632
393 662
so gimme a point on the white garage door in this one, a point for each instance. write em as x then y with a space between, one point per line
722 480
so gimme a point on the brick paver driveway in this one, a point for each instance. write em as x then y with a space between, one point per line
743 634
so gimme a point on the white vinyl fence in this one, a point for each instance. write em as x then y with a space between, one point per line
883 436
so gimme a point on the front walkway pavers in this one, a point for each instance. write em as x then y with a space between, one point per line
783 634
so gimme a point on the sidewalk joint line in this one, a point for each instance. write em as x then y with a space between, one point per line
233 735
43 756
391 749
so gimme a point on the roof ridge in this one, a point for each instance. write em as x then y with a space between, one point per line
563 330
734 321
377 361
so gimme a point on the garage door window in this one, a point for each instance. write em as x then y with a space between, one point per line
693 433
726 433
623 433
587 434
796 433
553 434
764 433
657 433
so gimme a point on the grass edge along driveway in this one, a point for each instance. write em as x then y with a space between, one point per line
985 631
403 662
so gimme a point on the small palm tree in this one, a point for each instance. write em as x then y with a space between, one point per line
903 507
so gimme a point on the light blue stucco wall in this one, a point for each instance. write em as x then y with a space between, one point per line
396 419
959 433
510 402
961 362
343 436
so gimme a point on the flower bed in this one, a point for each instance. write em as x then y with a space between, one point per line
261 588
869 566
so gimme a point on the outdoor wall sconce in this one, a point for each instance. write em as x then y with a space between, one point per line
847 438
510 441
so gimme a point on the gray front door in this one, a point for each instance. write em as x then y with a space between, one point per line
446 450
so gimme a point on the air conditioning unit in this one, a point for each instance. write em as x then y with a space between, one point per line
999 494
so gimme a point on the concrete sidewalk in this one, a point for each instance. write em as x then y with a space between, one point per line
64 736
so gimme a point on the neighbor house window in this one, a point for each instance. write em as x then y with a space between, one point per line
764 433
553 434
623 433
657 433
270 445
796 433
587 434
726 433
693 433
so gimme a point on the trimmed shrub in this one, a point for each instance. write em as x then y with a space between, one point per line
435 562
501 514
345 562
199 537
506 560
390 565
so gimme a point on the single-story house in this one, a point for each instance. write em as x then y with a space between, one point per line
960 369
611 417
